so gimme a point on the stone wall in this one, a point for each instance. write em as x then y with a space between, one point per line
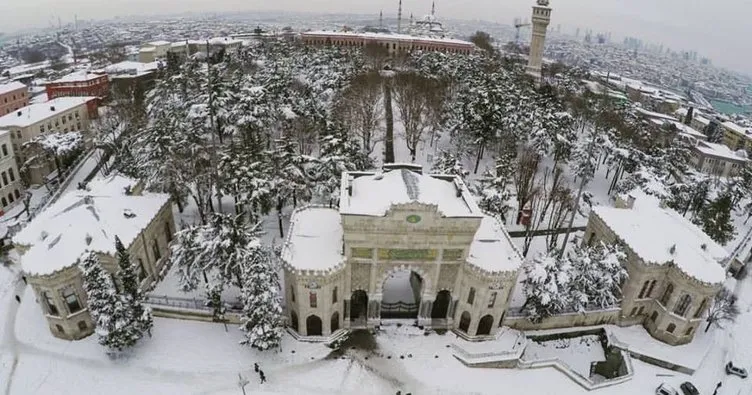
567 320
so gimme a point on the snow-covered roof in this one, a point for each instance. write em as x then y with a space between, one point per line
79 76
387 36
224 41
10 87
159 43
39 112
375 193
653 114
130 67
314 240
721 151
82 221
112 185
736 128
652 232
492 249
686 129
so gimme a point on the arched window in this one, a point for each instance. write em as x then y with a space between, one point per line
141 269
654 316
334 322
484 325
11 198
71 300
312 300
667 294
701 309
683 305
5 202
313 326
155 250
292 293
492 299
689 331
51 308
471 296
334 295
294 321
650 289
670 328
465 321
644 289
168 232
82 325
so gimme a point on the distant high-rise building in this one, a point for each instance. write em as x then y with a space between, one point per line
541 19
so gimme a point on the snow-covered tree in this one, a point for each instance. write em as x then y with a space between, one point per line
724 309
131 291
109 310
288 176
716 221
262 307
449 163
546 286
492 188
597 274
338 154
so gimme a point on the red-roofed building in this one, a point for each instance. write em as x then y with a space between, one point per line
78 85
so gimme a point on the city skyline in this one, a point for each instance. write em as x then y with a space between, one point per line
681 25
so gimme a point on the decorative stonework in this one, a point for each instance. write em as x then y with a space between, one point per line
361 276
447 276
400 254
452 255
360 252
385 273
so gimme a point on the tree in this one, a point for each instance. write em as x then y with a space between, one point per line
597 275
492 188
109 310
288 179
388 76
360 108
524 178
449 163
716 221
546 286
131 290
262 308
724 309
55 145
338 155
414 94
483 41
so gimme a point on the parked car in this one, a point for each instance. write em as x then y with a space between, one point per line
736 370
689 388
665 389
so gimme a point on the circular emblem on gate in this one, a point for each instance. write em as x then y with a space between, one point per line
413 219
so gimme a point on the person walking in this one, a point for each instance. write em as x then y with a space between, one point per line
262 376
255 367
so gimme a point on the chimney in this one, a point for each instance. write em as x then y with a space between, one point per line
52 108
19 113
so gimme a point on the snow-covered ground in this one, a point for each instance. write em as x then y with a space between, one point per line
578 353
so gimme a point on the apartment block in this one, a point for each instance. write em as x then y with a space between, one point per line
13 96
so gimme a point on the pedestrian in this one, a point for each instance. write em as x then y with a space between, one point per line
263 378
717 386
18 299
255 367
24 279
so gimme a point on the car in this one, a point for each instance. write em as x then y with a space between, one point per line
665 389
689 388
736 370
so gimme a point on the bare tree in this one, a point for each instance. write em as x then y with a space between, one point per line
524 178
724 309
414 94
549 205
360 108
388 76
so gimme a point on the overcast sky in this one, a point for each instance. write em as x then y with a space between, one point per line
720 29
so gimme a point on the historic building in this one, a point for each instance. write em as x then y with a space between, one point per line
79 84
541 19
398 225
674 268
394 43
13 96
54 241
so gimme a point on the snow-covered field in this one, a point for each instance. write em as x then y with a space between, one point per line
578 353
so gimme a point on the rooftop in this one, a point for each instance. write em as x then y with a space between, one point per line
653 232
85 221
736 128
10 87
158 43
79 76
132 68
492 249
375 193
721 151
39 112
387 36
314 241
686 129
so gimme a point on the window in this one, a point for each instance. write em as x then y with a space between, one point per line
60 328
689 331
670 328
168 232
41 128
701 309
70 117
471 296
634 311
312 300
5 178
51 308
155 250
71 300
5 149
18 134
654 316
141 269
64 121
639 312
667 294
683 305
82 325
11 198
292 293
492 299
78 125
11 175
5 202
643 290
334 295
650 289
76 114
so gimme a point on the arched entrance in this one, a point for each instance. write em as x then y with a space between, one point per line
441 305
465 321
313 326
485 324
359 307
334 322
401 295
294 321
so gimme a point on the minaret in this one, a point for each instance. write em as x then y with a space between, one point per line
433 8
399 18
541 18
381 19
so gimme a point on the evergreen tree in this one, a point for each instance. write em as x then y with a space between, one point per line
546 286
449 163
109 310
492 188
338 154
715 219
597 275
131 291
262 308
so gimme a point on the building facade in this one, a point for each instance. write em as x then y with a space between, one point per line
393 43
458 265
13 96
674 268
717 159
79 85
541 19
89 221
63 114
11 188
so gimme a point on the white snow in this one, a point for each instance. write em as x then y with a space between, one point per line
79 76
314 240
577 353
130 67
652 231
82 221
375 193
492 248
720 151
39 112
10 87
